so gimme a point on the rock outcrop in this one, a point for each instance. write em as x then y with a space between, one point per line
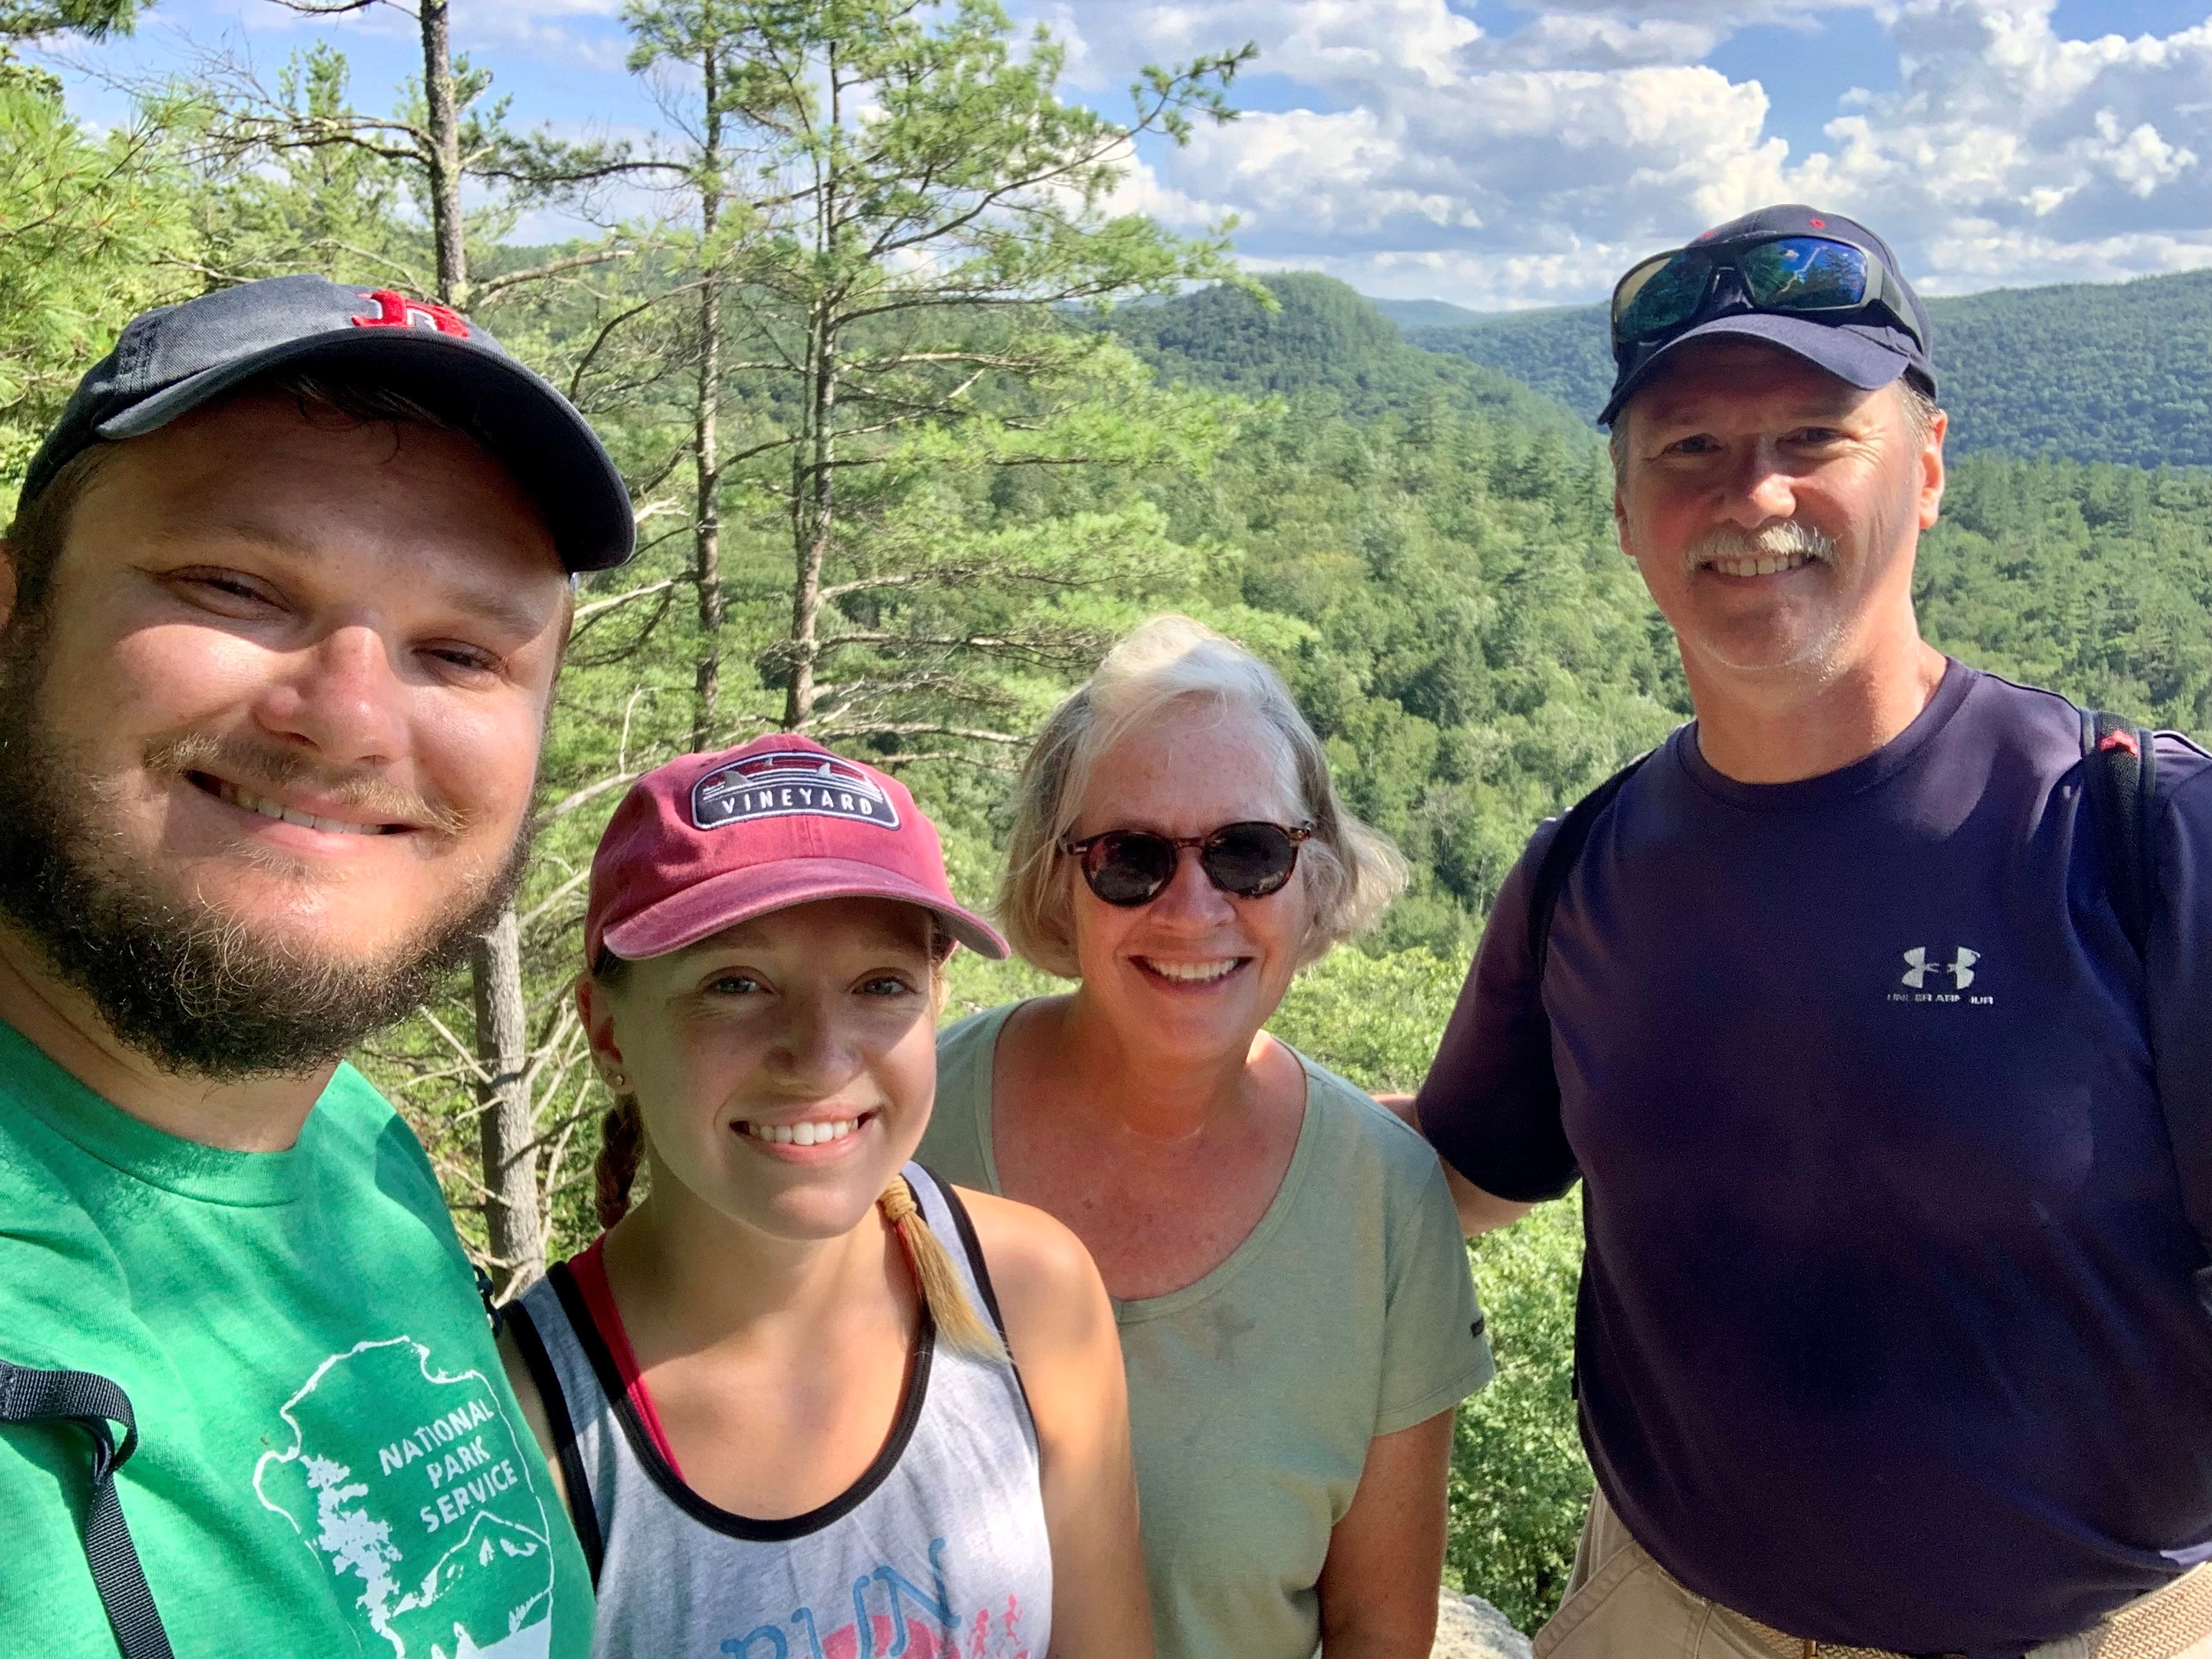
1468 1627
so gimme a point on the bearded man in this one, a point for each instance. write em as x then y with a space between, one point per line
1894 1334
280 614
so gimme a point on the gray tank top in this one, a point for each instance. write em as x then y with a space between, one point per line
939 1550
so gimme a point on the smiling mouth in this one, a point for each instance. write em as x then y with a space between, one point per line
1193 973
816 1131
223 790
1759 564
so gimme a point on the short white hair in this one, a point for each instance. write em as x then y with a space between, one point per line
1352 871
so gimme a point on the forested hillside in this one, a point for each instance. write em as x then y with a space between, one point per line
2087 371
1068 427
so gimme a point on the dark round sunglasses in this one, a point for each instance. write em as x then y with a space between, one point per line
1129 867
1792 274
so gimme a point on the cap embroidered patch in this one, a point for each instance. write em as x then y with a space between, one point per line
785 782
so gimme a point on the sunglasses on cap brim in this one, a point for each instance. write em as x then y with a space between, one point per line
1789 276
1129 867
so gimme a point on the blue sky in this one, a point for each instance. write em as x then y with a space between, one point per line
1498 154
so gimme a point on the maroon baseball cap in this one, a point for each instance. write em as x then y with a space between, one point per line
707 841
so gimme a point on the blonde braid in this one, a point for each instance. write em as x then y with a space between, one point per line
942 1291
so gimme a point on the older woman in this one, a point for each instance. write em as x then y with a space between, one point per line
1296 1313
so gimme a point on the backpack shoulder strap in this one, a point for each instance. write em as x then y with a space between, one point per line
1559 861
2119 775
95 1405
2119 772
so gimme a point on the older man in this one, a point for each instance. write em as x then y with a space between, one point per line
1893 1330
280 614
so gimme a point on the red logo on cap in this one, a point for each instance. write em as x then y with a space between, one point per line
1817 224
398 311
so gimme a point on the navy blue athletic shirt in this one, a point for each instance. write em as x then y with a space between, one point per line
1893 1329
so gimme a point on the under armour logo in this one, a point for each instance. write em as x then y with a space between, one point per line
1960 966
398 311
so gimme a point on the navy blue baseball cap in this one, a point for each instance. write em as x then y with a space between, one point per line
1868 347
171 360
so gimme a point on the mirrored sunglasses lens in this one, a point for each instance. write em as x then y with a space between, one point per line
1804 273
1129 868
1249 859
1667 297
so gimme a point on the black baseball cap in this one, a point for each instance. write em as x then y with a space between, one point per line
1867 348
171 360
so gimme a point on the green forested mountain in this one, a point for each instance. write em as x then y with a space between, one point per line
2118 372
1321 336
1410 314
1419 538
1467 638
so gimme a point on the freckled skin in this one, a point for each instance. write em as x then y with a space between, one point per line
817 1012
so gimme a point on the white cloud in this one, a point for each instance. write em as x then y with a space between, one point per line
1433 158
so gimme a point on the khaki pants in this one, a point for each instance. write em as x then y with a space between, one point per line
1621 1604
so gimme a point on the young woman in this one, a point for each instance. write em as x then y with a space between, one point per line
805 1401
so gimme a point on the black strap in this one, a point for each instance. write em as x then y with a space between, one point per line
2120 770
583 1513
1558 861
96 1405
2119 775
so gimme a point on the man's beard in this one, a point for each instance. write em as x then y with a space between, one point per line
190 988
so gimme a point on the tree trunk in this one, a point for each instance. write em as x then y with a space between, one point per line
706 450
508 1128
706 564
443 160
813 514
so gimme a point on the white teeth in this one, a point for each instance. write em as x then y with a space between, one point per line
1193 973
802 1135
1762 564
277 810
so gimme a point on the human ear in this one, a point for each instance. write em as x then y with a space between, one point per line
1932 475
595 1008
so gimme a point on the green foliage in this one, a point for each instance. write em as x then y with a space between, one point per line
1318 336
1011 473
2093 580
1519 1481
1476 651
2090 371
92 230
94 20
1373 1019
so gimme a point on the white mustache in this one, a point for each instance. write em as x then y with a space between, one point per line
1785 540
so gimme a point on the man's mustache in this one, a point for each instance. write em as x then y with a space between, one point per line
263 767
1784 540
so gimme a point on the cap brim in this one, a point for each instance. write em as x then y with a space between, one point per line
702 911
1845 350
535 432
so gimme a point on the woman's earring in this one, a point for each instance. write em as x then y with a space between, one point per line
617 1079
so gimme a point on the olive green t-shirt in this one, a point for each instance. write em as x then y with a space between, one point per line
330 1459
1349 1312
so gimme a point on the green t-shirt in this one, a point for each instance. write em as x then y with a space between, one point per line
1349 1312
329 1460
